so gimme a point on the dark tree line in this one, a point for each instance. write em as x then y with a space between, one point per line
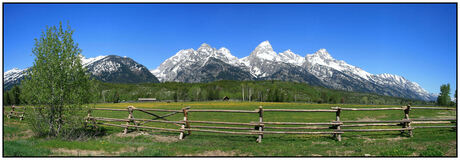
262 91
12 96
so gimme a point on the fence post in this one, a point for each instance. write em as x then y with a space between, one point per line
187 125
407 124
455 127
337 118
11 112
23 113
181 136
130 116
261 127
87 117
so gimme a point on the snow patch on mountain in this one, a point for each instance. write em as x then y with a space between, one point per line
399 81
322 57
87 61
184 59
290 57
105 66
13 75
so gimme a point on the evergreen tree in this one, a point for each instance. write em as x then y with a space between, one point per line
6 98
57 85
14 95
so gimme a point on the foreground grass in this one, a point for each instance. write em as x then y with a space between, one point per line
18 140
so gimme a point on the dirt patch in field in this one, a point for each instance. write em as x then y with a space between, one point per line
80 152
322 142
218 153
339 153
453 149
368 140
443 112
316 155
20 135
156 138
167 139
396 138
11 123
131 134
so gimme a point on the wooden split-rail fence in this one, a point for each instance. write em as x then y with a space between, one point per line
259 128
16 112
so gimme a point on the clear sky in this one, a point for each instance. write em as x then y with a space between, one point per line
416 41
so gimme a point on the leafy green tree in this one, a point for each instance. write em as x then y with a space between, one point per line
444 96
57 85
116 97
454 103
364 100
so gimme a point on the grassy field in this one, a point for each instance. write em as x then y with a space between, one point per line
18 140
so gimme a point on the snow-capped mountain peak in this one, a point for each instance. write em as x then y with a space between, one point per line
109 68
290 57
265 51
205 48
322 53
14 70
13 76
87 61
185 59
265 44
322 57
225 52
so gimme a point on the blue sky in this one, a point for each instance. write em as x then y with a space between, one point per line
416 41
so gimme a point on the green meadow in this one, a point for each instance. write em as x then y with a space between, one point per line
18 139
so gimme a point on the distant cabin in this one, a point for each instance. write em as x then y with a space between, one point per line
147 99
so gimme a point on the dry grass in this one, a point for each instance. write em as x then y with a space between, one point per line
80 152
15 136
154 137
218 153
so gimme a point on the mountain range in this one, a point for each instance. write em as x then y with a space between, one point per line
207 64
320 68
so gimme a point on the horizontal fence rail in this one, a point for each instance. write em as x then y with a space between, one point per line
259 128
16 112
334 127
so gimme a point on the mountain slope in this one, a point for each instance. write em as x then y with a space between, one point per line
13 77
202 65
214 69
114 69
338 74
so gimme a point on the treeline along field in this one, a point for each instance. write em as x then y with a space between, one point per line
259 91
